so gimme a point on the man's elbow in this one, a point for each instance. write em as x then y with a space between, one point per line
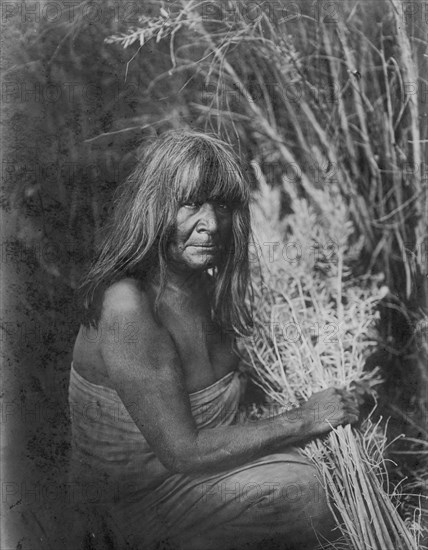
186 461
179 466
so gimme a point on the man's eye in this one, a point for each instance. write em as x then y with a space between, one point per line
190 204
224 206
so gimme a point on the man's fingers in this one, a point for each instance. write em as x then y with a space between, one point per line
352 404
351 398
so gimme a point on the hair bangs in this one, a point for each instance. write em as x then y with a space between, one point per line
189 184
210 175
227 183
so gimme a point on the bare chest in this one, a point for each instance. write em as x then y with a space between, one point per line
206 352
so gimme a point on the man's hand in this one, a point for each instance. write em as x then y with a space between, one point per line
328 409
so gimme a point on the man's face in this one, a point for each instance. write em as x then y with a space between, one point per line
202 233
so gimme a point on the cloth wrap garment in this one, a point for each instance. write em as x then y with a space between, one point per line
147 506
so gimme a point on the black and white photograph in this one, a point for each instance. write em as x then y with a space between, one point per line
214 275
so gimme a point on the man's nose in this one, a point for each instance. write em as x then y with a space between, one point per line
207 218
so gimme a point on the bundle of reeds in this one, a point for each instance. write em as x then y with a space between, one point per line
314 328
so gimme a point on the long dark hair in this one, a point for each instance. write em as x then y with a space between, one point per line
176 167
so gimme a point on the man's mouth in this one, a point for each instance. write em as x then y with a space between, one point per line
206 246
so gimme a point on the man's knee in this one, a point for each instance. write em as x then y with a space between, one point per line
301 495
304 493
314 503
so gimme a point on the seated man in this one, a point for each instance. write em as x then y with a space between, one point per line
154 386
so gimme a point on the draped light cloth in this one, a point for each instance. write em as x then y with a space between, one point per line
146 506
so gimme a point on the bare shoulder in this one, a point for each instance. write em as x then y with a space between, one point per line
124 293
128 320
133 345
126 297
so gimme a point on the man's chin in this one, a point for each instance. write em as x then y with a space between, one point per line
202 264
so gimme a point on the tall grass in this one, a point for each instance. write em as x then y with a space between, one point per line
328 98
